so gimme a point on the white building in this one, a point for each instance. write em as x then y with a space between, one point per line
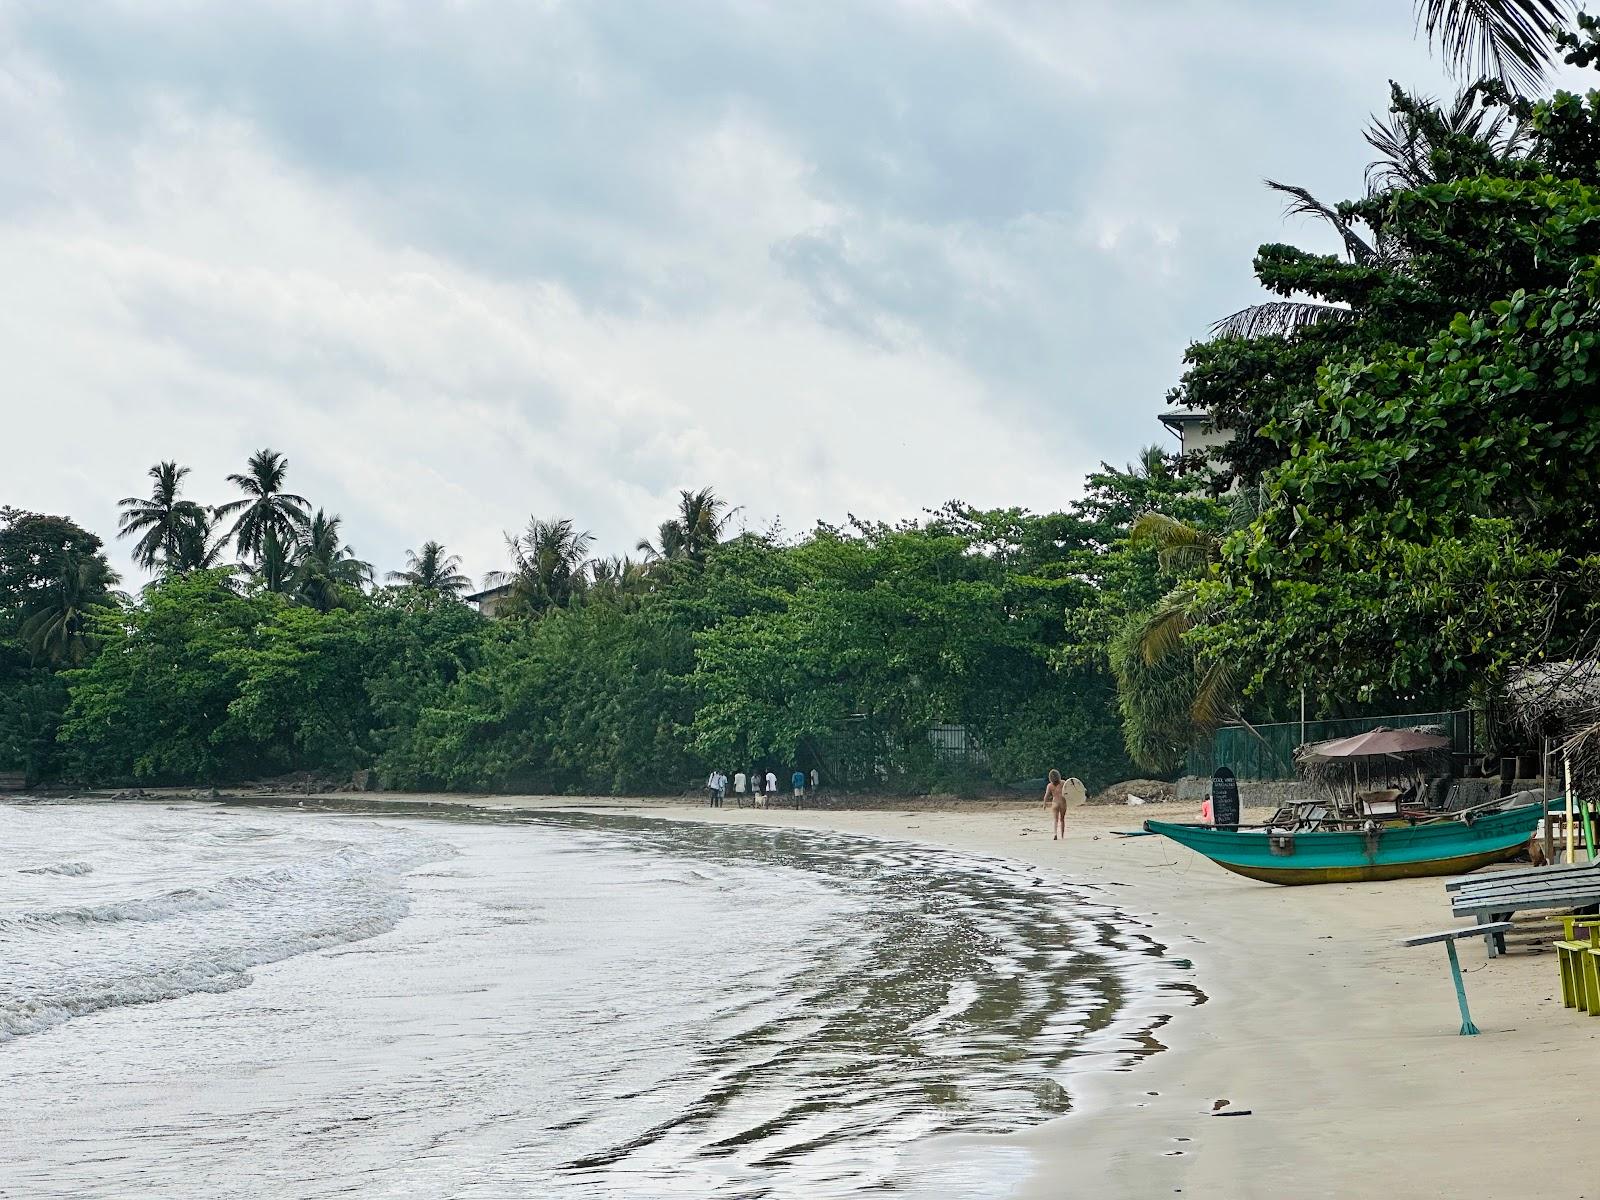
1194 430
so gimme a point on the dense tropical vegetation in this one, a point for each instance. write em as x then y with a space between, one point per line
838 650
1405 511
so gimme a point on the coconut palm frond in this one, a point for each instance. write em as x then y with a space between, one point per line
1215 695
1411 137
1303 204
1178 544
1162 632
1510 40
1277 318
432 569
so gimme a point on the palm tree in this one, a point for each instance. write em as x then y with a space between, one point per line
1511 40
202 544
432 570
274 570
617 577
1419 140
323 568
266 510
55 628
161 520
551 564
701 518
1154 653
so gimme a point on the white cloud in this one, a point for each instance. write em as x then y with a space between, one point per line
471 262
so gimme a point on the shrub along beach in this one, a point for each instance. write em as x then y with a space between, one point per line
836 650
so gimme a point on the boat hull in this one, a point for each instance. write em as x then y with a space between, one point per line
1400 852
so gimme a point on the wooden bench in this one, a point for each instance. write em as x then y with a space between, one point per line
1449 938
1570 871
1496 897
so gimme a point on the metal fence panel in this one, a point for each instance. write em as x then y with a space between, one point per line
1267 751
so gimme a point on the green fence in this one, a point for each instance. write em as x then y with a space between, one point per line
1267 751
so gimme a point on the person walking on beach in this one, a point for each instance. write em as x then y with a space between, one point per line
738 788
816 781
1055 799
772 788
711 789
798 779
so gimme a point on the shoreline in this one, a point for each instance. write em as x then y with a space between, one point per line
1341 1044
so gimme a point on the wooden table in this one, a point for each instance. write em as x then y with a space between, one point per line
1449 938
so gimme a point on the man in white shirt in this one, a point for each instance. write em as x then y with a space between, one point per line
772 787
711 790
738 788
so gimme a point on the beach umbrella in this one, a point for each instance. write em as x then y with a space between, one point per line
1347 760
1375 743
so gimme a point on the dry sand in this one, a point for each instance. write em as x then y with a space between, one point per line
1341 1044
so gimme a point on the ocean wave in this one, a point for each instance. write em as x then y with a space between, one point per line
80 959
65 868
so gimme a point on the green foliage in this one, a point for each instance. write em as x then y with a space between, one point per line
154 704
1427 462
53 579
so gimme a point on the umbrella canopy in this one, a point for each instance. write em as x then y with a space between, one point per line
1375 743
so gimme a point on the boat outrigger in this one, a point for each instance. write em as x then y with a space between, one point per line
1290 853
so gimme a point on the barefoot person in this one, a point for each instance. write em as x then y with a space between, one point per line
1055 799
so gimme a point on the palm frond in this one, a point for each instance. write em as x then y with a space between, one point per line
1215 695
1510 40
1277 318
1303 204
1162 633
1178 544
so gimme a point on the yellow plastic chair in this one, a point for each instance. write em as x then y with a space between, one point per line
1570 960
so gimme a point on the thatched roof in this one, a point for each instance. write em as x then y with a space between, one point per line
1556 698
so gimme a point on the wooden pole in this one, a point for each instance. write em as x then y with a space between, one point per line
1566 778
1549 850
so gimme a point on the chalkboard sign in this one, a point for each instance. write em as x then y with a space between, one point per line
1224 799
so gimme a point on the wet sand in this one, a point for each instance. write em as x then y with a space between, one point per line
1342 1045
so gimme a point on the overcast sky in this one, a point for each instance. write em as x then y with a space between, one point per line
467 262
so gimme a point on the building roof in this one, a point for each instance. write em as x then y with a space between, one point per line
488 593
1178 418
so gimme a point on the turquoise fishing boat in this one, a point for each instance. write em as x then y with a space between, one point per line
1447 846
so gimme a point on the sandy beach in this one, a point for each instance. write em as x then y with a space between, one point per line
1342 1045
1301 1010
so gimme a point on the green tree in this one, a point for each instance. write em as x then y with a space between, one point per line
551 565
153 705
432 570
268 521
163 522
52 575
327 574
698 526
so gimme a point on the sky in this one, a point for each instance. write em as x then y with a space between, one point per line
472 261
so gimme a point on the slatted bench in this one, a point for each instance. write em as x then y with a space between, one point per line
1493 899
1449 937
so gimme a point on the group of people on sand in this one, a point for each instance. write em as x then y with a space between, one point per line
1059 794
761 786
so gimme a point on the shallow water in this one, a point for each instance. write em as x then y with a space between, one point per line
197 1001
